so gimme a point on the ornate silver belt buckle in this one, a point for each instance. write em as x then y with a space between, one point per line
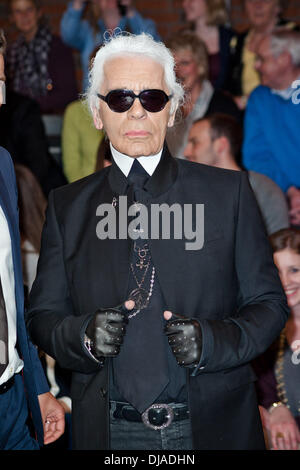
169 416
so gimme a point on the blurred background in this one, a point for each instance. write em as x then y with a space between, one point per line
167 15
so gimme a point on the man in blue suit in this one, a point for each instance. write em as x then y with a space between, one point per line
22 382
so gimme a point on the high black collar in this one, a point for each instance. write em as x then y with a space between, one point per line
162 179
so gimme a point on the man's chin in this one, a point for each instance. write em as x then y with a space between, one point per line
137 149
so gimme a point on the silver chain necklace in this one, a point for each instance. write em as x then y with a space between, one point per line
140 295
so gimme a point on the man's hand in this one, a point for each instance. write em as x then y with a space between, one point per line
107 328
283 429
53 417
185 338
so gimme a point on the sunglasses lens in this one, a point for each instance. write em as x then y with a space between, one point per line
120 101
153 100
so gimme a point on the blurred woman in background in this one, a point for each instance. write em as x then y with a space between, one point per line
278 369
201 99
208 20
39 65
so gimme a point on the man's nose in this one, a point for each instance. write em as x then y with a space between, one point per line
136 111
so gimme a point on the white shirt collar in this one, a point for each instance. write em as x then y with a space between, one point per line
125 162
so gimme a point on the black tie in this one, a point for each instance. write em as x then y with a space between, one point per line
138 176
3 333
141 369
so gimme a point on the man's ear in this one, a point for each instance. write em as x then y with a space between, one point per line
221 145
97 119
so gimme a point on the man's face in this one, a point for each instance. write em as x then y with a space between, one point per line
25 16
261 13
200 148
270 68
135 132
2 81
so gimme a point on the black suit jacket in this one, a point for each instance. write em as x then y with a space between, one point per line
231 286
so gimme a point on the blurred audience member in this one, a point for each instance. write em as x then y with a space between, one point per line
272 137
39 65
278 369
23 135
80 142
208 19
32 206
216 141
201 99
84 24
263 16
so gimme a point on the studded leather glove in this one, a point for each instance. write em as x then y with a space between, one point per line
106 331
185 339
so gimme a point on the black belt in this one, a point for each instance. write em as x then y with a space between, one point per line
7 385
157 416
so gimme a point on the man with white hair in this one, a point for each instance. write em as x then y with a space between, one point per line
158 331
272 137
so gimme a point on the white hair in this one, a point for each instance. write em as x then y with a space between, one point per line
286 41
142 45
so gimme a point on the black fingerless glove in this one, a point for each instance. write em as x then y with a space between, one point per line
106 331
185 338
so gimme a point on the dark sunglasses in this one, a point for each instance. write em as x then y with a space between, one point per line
120 101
